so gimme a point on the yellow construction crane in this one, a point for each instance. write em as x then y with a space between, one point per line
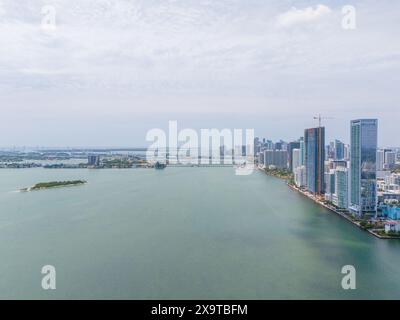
320 118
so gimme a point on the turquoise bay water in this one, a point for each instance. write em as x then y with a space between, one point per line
181 233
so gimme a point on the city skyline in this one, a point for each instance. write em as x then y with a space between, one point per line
329 138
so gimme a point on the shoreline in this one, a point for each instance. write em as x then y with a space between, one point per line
341 214
332 209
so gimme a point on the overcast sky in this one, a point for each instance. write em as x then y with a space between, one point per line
113 69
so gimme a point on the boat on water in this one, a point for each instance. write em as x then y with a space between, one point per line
159 166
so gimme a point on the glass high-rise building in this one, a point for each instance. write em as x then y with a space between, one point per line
291 146
340 198
314 142
339 150
302 151
363 151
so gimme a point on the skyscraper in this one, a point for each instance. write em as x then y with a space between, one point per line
364 140
276 158
291 146
339 150
261 158
390 160
268 145
314 141
346 152
302 151
257 146
93 160
300 176
295 159
340 198
329 184
380 160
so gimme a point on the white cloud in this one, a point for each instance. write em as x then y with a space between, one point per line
37 71
297 16
228 54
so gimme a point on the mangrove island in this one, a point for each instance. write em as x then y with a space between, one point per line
54 184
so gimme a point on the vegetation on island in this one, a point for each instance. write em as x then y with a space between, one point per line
54 184
280 173
118 163
124 163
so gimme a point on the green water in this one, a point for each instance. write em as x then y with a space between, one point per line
182 233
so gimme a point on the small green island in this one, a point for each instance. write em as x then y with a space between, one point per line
54 184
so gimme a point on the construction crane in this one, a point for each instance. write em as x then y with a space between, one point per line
320 118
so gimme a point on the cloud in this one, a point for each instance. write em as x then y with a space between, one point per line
37 71
298 16
182 46
202 48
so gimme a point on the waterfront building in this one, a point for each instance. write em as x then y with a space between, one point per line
93 160
296 162
392 226
300 176
314 141
341 195
276 158
391 211
329 184
302 151
290 147
364 137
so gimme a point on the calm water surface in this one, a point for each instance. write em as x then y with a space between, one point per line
182 233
